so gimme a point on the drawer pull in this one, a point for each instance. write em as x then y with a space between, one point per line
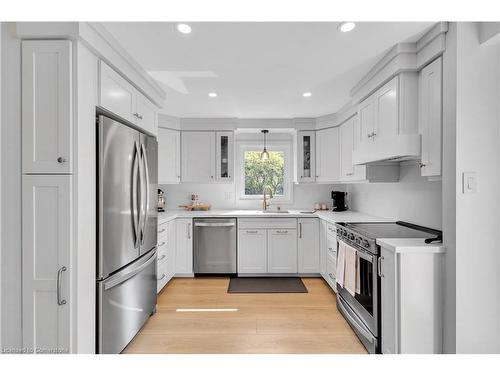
331 276
162 257
161 277
161 244
282 231
161 231
251 232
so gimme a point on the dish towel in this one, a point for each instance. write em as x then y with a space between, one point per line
350 268
340 264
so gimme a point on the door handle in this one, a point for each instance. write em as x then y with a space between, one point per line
60 301
140 194
121 277
146 208
135 214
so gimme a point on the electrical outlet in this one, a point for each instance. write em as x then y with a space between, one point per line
469 182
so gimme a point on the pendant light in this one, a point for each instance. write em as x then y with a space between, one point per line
264 154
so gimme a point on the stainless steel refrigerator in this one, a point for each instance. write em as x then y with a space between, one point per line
127 229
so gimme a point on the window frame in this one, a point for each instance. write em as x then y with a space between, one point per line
286 148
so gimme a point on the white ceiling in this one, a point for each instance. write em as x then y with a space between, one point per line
259 70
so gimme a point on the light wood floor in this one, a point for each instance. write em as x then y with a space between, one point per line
264 323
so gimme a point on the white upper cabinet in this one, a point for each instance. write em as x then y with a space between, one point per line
47 125
348 171
386 110
308 246
198 156
119 96
224 156
327 155
366 111
305 157
46 267
430 117
169 156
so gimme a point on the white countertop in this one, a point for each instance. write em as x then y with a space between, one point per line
330 216
410 245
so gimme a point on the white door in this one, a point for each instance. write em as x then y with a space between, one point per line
224 156
388 292
387 110
198 156
328 158
146 114
366 113
171 246
322 247
306 156
169 156
252 251
47 125
430 117
184 247
46 268
282 251
117 94
308 246
349 172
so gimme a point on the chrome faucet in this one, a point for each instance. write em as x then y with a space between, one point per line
265 202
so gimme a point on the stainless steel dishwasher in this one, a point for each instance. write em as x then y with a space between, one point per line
215 246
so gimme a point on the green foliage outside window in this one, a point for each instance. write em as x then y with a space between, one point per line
260 173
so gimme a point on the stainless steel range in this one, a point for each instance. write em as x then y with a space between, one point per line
362 311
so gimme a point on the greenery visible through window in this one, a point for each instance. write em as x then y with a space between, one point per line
260 173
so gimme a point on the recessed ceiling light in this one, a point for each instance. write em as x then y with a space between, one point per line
347 26
183 28
212 94
306 94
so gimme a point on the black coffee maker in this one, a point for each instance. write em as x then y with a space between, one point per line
339 201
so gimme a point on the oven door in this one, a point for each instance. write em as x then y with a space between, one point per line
365 304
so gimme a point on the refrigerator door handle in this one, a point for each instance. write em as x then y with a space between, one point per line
122 277
146 208
141 200
135 213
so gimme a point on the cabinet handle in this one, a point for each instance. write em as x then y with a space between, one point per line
251 232
331 276
422 165
379 264
161 231
161 258
349 174
60 301
282 231
189 231
61 160
161 277
136 115
300 230
161 244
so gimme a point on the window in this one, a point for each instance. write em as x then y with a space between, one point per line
274 173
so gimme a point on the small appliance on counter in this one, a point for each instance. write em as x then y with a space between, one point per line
339 201
161 200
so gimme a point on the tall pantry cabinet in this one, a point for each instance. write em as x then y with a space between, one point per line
47 179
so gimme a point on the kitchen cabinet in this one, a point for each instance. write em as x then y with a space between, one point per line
322 247
171 250
166 253
430 117
308 243
46 262
224 156
331 256
252 251
328 155
198 156
305 169
349 171
411 300
184 247
169 156
282 251
119 96
47 102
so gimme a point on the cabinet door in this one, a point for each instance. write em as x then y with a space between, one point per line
117 94
366 113
224 156
146 115
282 251
349 172
308 246
171 249
169 156
252 251
306 156
430 117
328 156
198 156
47 244
184 246
47 124
388 290
322 248
386 110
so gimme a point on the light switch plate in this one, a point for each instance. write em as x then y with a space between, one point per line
469 182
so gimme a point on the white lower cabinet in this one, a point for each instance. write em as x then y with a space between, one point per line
166 253
46 266
282 251
322 248
308 246
184 247
252 251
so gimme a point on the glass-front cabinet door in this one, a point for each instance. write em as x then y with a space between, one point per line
306 161
225 155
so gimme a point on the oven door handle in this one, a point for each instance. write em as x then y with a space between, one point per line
355 321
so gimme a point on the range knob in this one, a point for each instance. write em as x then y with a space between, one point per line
366 243
351 236
358 240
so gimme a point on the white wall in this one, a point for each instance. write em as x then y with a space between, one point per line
477 215
413 199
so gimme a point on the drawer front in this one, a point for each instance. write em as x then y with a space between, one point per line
161 276
162 231
331 229
331 266
265 223
162 251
